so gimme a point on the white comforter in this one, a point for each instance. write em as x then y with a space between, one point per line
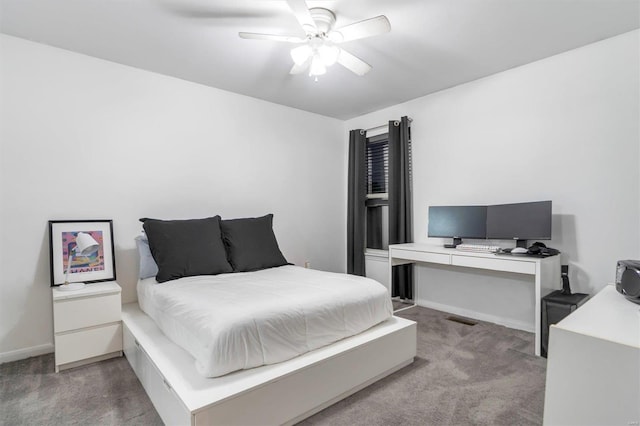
237 321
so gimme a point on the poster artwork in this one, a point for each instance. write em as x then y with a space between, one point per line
94 262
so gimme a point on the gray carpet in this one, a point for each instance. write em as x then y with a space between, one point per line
104 393
463 375
481 375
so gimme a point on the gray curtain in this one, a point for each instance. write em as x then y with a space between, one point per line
356 210
400 202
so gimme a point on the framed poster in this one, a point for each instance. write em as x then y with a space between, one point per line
81 251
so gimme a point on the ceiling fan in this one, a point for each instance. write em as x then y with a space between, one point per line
319 49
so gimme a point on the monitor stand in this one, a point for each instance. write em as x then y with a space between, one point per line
456 242
521 243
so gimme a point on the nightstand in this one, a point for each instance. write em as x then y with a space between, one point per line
86 324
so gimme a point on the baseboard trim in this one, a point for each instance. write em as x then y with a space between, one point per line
507 322
26 353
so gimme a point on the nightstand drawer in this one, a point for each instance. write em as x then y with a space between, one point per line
75 346
72 314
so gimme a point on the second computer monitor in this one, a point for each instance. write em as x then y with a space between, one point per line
521 221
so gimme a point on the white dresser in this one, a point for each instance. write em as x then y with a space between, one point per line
86 324
593 369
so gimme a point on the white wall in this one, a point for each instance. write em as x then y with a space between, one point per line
564 128
83 138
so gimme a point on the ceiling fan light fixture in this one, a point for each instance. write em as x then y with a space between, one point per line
329 54
317 66
301 54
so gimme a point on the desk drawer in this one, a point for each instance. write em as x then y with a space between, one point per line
422 256
519 267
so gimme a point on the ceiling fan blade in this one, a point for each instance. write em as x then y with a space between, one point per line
367 28
299 69
301 11
353 63
272 37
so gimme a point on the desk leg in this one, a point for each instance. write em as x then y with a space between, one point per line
538 308
390 288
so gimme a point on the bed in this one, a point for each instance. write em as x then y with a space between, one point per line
268 346
238 321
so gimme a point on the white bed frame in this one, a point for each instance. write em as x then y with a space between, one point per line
283 393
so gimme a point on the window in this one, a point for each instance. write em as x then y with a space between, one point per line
377 203
377 166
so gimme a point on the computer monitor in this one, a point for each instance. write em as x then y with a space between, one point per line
457 222
520 222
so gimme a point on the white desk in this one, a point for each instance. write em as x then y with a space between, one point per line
546 271
593 370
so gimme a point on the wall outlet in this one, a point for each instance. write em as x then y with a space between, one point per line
307 264
564 269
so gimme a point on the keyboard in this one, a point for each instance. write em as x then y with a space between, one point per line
481 248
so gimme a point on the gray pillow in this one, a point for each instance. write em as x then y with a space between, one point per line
185 248
251 244
147 266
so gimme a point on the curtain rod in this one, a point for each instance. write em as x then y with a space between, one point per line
382 126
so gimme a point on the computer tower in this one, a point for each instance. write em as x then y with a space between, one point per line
555 307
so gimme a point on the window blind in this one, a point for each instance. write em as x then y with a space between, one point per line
377 166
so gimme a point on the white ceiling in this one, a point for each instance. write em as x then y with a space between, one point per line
433 44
